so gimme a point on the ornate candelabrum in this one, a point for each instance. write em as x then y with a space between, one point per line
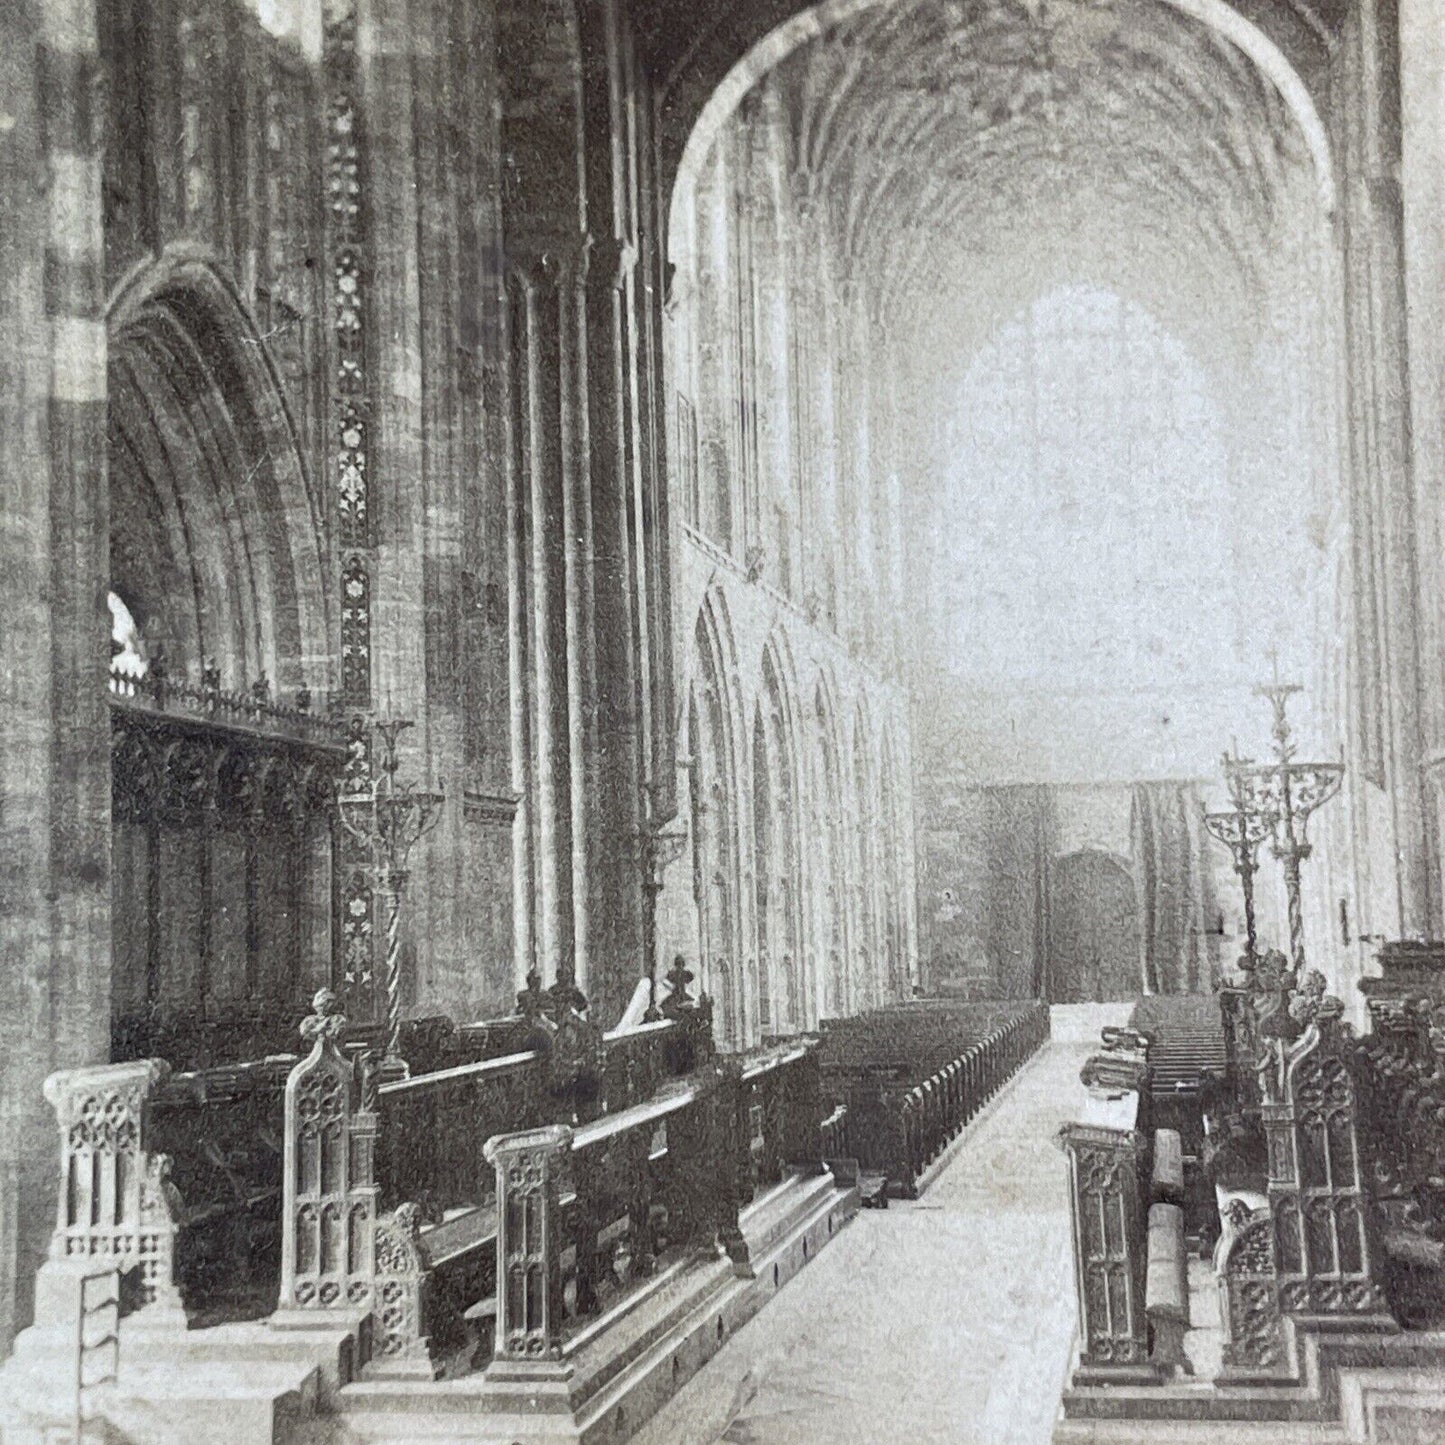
1292 791
1242 828
388 818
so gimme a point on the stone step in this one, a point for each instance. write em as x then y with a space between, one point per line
1401 1406
238 1403
1198 1432
308 1341
782 1209
622 1374
385 1427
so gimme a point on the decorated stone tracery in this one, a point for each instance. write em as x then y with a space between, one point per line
1249 1292
530 1314
328 1185
400 1297
1324 1251
1108 1245
115 1202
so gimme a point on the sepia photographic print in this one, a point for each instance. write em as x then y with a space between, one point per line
723 722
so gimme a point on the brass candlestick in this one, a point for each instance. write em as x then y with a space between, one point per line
388 819
1247 824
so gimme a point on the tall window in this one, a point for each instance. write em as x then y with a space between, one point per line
129 661
1087 519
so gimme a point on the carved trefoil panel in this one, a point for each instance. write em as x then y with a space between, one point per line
399 1310
1249 1292
1108 1244
530 1312
1317 1195
115 1199
328 1188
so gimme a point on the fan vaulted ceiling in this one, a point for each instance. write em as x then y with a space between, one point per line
939 132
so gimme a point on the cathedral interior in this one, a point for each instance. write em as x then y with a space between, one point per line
722 721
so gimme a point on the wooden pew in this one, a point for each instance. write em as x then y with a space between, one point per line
389 1203
1130 1252
898 1132
222 1131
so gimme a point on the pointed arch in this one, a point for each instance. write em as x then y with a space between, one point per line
834 996
714 738
867 949
783 1004
217 544
893 843
220 563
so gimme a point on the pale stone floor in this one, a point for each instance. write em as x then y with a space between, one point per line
947 1320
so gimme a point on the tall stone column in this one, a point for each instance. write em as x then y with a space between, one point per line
55 984
412 516
1421 52
1379 466
618 843
525 884
632 790
542 306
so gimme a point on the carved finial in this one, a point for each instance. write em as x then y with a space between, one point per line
368 1074
1272 970
1436 1017
530 1000
564 998
679 976
1310 1003
157 676
326 1020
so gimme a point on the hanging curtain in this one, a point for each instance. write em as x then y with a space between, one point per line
1177 945
1020 834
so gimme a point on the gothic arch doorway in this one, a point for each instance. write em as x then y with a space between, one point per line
223 756
1093 930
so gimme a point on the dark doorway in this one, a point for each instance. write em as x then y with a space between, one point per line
1094 931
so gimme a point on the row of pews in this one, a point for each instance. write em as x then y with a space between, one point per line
903 1081
221 1132
1251 1188
470 1219
537 1219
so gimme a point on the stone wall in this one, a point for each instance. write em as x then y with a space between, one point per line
332 211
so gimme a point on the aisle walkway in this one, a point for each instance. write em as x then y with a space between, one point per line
949 1320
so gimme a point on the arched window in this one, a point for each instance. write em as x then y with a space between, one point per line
715 841
1088 422
869 964
832 883
764 867
779 885
129 660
